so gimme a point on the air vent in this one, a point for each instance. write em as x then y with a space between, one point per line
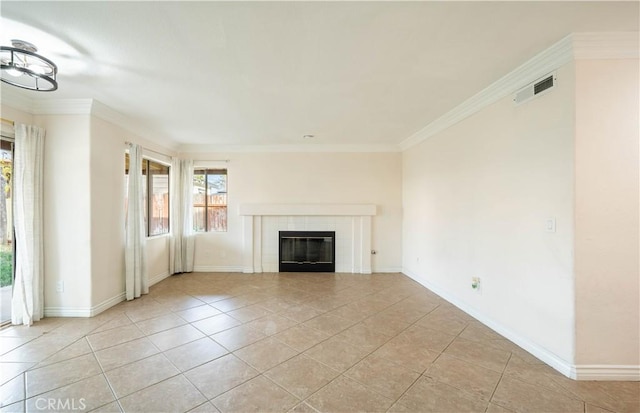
535 88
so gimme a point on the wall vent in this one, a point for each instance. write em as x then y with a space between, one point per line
536 88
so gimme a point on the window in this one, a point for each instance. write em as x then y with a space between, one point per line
155 181
210 200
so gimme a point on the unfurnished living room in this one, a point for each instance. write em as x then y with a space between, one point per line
320 206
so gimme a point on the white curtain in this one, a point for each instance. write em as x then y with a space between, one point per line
136 277
27 302
182 237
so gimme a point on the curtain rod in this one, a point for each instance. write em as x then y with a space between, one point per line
147 149
8 121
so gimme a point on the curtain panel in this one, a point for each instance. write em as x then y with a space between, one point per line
136 277
27 301
182 238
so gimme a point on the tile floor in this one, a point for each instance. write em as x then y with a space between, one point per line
285 343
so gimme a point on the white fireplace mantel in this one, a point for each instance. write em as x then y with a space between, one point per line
359 233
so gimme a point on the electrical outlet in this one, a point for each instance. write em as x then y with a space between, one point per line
60 286
475 283
550 225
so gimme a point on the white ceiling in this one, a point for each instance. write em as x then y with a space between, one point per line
267 73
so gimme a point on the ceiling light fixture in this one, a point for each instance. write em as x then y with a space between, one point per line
23 67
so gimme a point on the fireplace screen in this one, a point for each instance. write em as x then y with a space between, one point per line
307 251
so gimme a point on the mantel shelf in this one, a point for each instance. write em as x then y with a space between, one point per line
307 209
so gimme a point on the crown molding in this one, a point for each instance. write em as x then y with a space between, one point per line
62 107
613 45
17 99
292 148
544 62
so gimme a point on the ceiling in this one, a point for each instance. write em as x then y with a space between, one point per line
267 73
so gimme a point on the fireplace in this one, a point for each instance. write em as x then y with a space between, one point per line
307 251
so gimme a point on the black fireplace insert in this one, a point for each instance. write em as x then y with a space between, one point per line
307 251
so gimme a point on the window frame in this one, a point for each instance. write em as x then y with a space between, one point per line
207 171
148 207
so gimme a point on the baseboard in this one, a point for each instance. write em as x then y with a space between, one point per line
158 277
543 354
217 268
96 309
84 311
607 372
67 312
378 270
107 304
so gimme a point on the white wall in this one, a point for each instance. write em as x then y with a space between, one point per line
476 197
67 213
107 214
17 116
307 178
607 182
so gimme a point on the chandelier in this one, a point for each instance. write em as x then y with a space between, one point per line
23 67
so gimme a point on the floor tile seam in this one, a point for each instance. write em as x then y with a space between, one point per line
228 390
596 403
604 390
159 351
165 312
209 335
140 389
95 350
472 362
201 364
234 350
253 319
502 375
568 394
300 352
106 379
326 313
306 399
236 308
397 401
159 331
27 397
9 329
93 331
293 319
470 393
447 346
37 365
373 389
181 344
342 374
255 367
351 345
20 345
16 403
299 399
194 386
199 319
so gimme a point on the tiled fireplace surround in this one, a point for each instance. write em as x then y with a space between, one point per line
351 223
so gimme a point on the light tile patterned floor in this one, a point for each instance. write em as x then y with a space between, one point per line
286 343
